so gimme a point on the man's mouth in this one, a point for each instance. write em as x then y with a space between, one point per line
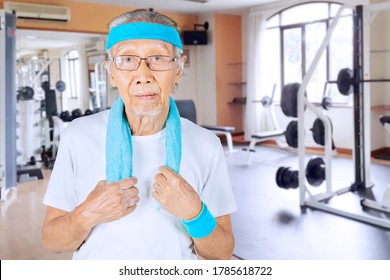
146 96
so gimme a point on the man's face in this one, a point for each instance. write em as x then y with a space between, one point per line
143 91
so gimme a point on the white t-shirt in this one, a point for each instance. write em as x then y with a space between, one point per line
149 232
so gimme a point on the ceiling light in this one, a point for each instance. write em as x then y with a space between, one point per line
197 1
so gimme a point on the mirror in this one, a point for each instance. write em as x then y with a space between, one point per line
59 76
66 59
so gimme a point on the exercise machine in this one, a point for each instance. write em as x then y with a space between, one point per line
289 100
187 110
275 134
385 121
348 82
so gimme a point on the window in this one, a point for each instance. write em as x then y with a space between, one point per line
293 37
72 73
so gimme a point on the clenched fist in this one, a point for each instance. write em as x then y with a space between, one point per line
175 195
111 201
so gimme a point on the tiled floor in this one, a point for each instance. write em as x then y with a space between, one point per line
269 223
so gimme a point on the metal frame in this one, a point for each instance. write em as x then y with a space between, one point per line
101 85
2 105
7 102
361 105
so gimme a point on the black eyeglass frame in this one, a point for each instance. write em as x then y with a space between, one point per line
172 59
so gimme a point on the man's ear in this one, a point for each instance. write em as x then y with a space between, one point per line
112 79
107 65
180 70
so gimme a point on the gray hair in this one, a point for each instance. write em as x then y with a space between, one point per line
143 15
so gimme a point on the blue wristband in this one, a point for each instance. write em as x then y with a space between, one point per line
202 225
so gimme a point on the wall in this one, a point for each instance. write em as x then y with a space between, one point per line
206 76
198 82
380 68
188 87
228 59
55 76
386 60
377 69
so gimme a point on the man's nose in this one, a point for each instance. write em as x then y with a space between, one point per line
143 73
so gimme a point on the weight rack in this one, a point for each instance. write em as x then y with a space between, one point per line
361 105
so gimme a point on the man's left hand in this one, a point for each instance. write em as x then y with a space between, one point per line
175 195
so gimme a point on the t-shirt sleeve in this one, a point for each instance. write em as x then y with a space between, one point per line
217 192
60 191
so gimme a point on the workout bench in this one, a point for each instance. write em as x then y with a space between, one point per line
187 110
261 137
385 121
268 104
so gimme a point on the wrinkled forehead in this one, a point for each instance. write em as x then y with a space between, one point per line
140 45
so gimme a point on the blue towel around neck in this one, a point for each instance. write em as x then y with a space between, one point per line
119 148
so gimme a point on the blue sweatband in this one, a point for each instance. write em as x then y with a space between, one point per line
143 30
202 225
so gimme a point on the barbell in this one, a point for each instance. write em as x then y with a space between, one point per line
266 101
346 81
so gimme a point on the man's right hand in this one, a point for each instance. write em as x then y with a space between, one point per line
110 201
66 231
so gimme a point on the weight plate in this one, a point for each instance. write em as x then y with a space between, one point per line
60 86
291 134
315 171
345 81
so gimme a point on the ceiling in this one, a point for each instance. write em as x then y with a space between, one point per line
30 40
187 6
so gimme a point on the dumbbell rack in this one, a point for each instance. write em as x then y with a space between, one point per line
361 159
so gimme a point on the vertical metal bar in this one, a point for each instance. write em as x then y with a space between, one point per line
303 50
281 39
10 100
281 78
2 21
2 105
358 92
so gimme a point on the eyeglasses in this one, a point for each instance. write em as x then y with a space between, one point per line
154 62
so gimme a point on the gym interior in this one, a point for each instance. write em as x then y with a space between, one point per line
297 91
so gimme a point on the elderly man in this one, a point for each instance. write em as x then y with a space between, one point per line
138 181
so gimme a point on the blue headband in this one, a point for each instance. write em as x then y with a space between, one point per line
143 30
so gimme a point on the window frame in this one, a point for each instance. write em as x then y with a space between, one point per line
327 21
73 89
